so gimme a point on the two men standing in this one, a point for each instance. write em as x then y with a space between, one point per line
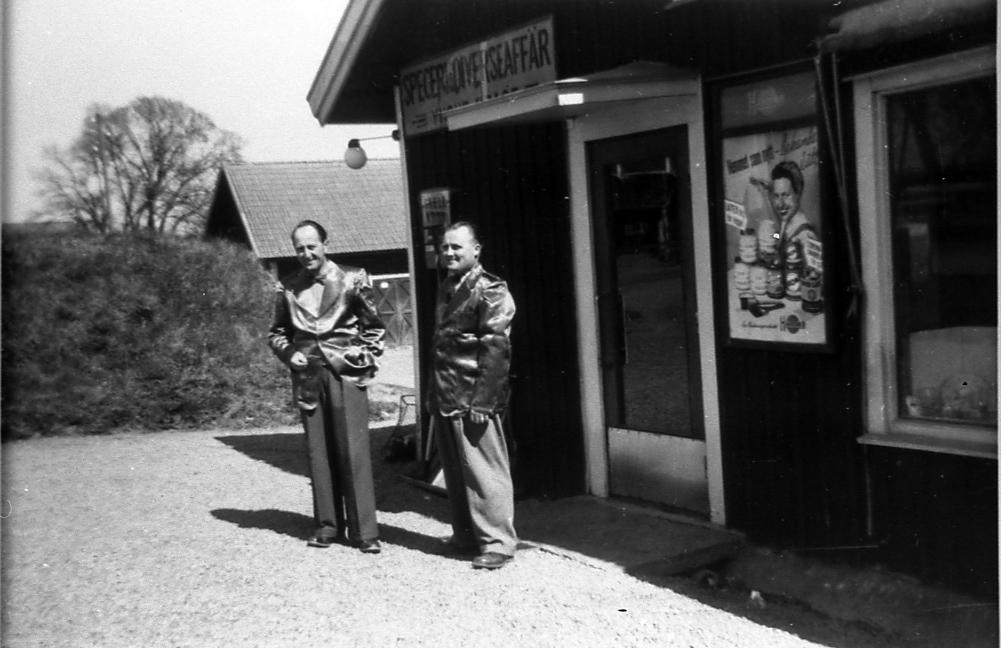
327 331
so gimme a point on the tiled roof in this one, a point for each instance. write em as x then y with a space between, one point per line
362 210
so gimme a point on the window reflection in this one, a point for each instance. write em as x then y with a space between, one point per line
943 198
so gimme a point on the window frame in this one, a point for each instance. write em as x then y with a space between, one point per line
884 424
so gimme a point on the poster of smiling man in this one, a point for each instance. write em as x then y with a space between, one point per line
774 248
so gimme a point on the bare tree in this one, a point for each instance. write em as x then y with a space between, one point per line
150 165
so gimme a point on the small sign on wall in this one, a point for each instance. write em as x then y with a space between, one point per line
436 207
436 215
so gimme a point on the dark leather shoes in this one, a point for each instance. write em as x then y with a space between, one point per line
491 560
320 543
368 546
325 535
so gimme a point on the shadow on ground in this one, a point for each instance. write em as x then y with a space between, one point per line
395 493
287 523
285 451
832 605
300 527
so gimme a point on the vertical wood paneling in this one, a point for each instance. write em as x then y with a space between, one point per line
940 521
794 473
792 466
510 182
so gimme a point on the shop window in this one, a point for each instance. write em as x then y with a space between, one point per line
929 239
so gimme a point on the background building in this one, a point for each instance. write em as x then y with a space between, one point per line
362 210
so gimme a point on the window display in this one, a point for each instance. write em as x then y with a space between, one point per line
942 175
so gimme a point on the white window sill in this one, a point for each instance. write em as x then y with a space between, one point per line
984 449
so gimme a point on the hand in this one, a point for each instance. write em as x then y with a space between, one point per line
762 185
478 417
298 360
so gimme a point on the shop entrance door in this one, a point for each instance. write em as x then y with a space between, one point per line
641 214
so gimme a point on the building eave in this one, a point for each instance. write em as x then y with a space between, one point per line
342 53
240 213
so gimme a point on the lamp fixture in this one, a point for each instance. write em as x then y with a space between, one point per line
355 156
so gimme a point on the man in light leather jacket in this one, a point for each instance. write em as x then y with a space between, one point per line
468 392
327 331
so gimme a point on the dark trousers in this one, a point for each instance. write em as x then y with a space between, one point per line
340 463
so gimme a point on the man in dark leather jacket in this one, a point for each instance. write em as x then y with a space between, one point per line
468 391
327 331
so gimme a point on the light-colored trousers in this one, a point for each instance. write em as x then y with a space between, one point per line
477 469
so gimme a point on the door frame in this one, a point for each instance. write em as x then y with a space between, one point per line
672 140
685 109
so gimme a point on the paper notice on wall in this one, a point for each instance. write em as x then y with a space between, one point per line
813 253
736 215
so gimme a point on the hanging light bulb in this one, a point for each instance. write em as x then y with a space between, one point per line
355 156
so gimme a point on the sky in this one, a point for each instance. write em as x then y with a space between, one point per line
247 64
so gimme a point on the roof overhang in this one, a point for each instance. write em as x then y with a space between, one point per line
568 98
342 53
890 21
225 180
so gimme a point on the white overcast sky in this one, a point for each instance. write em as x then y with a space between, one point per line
247 64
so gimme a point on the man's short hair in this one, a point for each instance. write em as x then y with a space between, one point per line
311 223
472 229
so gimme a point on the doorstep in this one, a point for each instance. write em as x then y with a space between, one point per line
627 535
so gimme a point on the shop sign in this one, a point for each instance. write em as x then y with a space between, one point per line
491 68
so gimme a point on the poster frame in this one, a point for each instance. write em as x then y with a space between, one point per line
750 319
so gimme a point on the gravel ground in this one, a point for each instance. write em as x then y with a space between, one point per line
198 539
396 367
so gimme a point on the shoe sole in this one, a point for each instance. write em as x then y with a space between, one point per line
493 566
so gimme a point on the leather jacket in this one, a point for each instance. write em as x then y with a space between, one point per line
471 347
344 335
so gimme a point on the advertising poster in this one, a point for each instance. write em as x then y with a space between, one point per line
774 247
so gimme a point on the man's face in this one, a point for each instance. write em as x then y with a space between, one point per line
309 249
784 199
459 250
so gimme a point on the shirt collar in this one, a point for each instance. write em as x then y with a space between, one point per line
324 271
455 282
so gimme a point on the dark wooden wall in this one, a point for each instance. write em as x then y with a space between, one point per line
790 420
512 183
794 473
937 516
